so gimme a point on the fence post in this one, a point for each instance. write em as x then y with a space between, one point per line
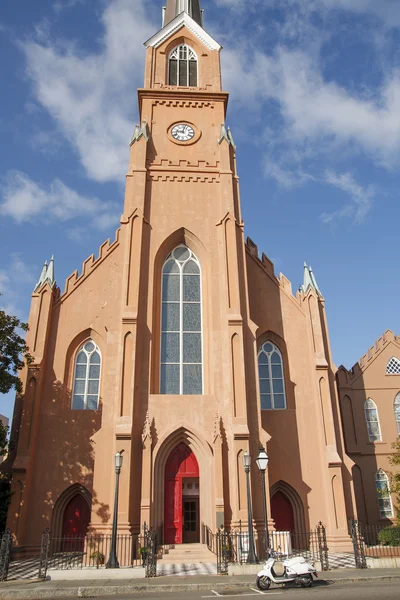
44 553
151 545
358 544
5 551
322 547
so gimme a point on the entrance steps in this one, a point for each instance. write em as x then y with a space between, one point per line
186 554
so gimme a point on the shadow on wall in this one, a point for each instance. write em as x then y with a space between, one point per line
363 436
61 444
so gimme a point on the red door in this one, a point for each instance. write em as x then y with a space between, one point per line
180 464
282 512
75 523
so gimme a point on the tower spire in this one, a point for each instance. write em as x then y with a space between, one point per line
176 7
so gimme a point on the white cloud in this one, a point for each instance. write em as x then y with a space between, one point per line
361 197
387 10
91 97
315 111
13 280
24 200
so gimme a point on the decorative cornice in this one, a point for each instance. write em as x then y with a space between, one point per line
156 176
183 20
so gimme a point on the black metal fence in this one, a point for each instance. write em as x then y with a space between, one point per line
77 553
374 542
232 547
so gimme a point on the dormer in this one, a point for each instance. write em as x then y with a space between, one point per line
182 55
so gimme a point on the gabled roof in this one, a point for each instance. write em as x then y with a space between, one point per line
183 20
365 361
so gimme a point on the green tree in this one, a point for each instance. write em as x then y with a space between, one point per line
13 352
395 476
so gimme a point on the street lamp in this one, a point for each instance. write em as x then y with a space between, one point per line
112 562
262 464
251 556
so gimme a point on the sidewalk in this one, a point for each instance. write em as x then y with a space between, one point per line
34 590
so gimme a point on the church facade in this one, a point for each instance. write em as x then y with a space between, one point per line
179 345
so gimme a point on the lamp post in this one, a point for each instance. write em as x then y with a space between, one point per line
262 464
251 556
112 562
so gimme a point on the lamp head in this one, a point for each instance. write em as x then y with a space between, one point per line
262 460
118 461
246 461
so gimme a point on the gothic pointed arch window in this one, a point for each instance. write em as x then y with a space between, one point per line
272 382
397 411
181 369
183 66
86 387
372 421
383 492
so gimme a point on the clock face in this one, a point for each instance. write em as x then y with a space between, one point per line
182 132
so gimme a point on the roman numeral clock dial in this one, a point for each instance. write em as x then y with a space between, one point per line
182 132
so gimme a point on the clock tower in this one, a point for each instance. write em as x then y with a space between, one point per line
182 198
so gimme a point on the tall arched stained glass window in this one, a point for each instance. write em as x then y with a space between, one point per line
372 420
384 497
86 387
272 382
181 324
182 65
397 412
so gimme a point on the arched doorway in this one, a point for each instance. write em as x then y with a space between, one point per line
282 512
181 497
76 517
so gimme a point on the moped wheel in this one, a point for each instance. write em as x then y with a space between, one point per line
306 581
263 582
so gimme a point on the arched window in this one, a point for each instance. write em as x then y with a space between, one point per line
397 412
393 366
87 377
372 420
181 326
384 497
182 66
272 383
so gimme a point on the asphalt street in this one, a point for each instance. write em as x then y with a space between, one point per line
321 590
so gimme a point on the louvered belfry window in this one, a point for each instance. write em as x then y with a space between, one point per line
182 66
181 368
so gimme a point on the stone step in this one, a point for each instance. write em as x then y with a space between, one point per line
186 554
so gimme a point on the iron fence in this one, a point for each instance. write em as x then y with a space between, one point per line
232 547
77 552
374 542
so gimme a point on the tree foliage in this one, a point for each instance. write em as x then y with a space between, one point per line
13 352
395 476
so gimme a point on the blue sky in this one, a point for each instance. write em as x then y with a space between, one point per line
314 110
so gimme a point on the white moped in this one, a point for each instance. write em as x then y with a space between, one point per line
296 570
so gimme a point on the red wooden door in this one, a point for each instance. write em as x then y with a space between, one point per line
180 464
282 512
76 517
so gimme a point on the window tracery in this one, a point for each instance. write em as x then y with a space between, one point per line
270 372
86 388
372 420
181 324
393 366
182 67
383 492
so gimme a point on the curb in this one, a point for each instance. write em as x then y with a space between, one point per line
116 590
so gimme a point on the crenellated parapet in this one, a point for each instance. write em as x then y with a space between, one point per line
267 265
88 266
346 376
